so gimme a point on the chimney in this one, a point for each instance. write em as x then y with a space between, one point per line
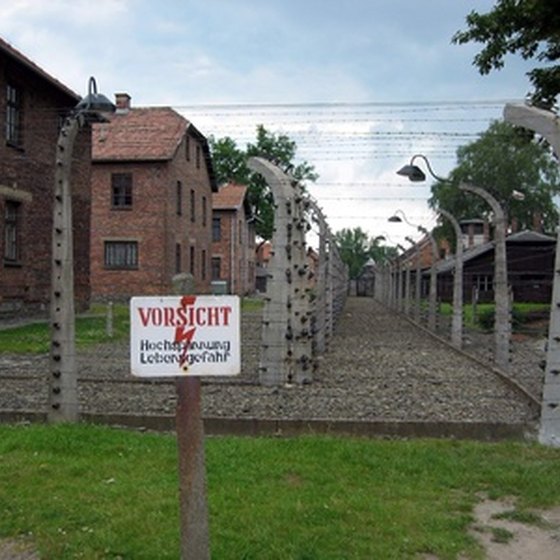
122 101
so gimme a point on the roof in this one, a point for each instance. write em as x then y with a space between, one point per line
143 134
29 64
525 236
230 196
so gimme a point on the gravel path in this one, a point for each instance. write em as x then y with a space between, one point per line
379 367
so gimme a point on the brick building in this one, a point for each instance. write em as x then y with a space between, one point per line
32 107
233 240
152 186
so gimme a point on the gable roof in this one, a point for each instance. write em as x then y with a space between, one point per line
16 55
143 134
524 236
230 196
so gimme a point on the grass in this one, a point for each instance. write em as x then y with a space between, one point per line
95 492
91 329
486 310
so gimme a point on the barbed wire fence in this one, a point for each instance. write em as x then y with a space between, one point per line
306 290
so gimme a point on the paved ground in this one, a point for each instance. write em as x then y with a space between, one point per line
379 367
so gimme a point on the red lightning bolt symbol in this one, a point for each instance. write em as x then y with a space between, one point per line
184 334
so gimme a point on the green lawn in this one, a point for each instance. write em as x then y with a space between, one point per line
95 492
91 328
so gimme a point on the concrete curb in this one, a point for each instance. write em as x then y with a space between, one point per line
255 427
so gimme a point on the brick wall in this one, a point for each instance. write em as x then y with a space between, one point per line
153 221
27 177
236 251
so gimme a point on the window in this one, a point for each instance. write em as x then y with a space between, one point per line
177 258
203 265
121 190
216 229
11 231
192 259
188 147
216 268
484 282
204 211
193 206
13 116
198 157
121 254
179 198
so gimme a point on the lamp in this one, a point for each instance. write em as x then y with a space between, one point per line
415 174
94 103
502 327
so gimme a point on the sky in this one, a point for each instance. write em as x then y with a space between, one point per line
360 85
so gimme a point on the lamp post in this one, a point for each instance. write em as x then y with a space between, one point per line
547 124
432 297
457 318
502 325
417 280
63 390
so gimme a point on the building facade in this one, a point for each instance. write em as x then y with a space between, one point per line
152 190
32 108
233 241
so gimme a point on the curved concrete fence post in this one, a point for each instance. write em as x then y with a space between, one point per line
286 353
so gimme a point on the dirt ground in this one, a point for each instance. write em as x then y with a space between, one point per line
521 541
507 539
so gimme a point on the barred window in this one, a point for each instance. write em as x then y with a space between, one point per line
179 197
216 268
121 190
121 254
216 229
14 115
193 206
11 231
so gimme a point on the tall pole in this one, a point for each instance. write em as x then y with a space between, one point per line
63 381
547 124
457 319
418 280
502 324
63 395
432 302
193 505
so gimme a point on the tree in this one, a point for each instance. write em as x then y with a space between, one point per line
356 248
528 27
503 159
230 164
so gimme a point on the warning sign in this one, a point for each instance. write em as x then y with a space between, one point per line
185 335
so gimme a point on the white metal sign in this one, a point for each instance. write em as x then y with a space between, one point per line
185 335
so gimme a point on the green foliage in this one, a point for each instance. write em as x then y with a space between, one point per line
230 165
502 160
94 492
356 248
528 27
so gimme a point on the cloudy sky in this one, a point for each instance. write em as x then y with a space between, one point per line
361 85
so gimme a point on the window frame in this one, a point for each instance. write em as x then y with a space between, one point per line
193 206
129 260
12 233
179 198
216 228
216 268
122 191
13 131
